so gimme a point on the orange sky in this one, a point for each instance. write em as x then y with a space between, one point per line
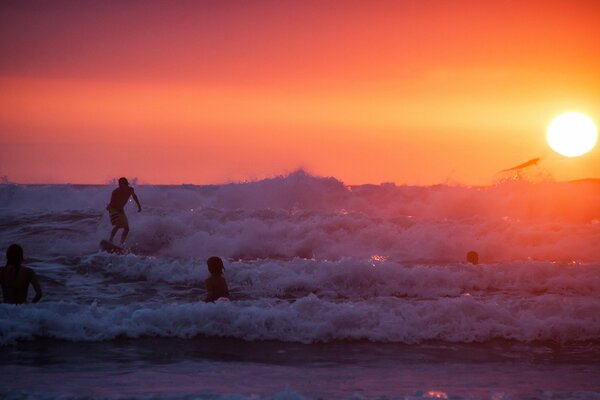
417 92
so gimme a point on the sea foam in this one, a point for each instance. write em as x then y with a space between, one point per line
310 260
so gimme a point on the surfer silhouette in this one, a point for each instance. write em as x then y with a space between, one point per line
530 163
15 278
116 208
216 287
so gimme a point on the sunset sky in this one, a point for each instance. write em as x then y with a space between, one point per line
412 92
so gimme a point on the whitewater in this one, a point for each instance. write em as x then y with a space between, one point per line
337 291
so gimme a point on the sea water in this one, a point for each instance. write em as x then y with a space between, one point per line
344 292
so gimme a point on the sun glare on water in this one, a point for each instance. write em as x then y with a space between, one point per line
572 134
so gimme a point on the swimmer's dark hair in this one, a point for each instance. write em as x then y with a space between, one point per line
215 265
473 257
14 255
123 181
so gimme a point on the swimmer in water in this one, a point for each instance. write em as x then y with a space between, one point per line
473 257
216 287
15 278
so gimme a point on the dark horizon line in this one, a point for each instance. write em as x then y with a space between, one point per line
581 180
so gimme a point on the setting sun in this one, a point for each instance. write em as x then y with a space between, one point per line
572 134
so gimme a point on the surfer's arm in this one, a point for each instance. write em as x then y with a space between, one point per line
137 201
36 286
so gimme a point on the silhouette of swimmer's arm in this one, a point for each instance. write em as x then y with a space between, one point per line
529 163
32 277
137 201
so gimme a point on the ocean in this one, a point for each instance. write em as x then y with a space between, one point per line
337 292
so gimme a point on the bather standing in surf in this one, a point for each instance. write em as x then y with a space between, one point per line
15 278
116 208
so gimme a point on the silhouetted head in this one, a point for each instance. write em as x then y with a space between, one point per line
215 265
123 182
14 255
473 257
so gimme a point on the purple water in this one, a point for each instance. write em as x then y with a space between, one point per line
337 292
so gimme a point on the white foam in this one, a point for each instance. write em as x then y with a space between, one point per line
311 319
304 216
351 278
569 201
309 259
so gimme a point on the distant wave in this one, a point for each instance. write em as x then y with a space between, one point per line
353 279
310 217
549 201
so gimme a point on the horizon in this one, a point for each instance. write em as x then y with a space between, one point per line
137 181
213 92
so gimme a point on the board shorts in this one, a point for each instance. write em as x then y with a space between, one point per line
118 218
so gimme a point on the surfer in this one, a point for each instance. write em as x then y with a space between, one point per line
15 278
530 163
216 287
116 208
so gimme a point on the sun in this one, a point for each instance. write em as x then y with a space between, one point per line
572 134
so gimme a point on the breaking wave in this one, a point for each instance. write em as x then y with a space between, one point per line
310 259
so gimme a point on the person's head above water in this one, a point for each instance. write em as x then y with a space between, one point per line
473 257
14 255
123 182
215 265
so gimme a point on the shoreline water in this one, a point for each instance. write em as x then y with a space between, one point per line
205 368
56 351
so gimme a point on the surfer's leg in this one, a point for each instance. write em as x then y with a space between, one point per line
124 234
113 233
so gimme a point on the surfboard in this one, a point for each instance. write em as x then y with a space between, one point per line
107 246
